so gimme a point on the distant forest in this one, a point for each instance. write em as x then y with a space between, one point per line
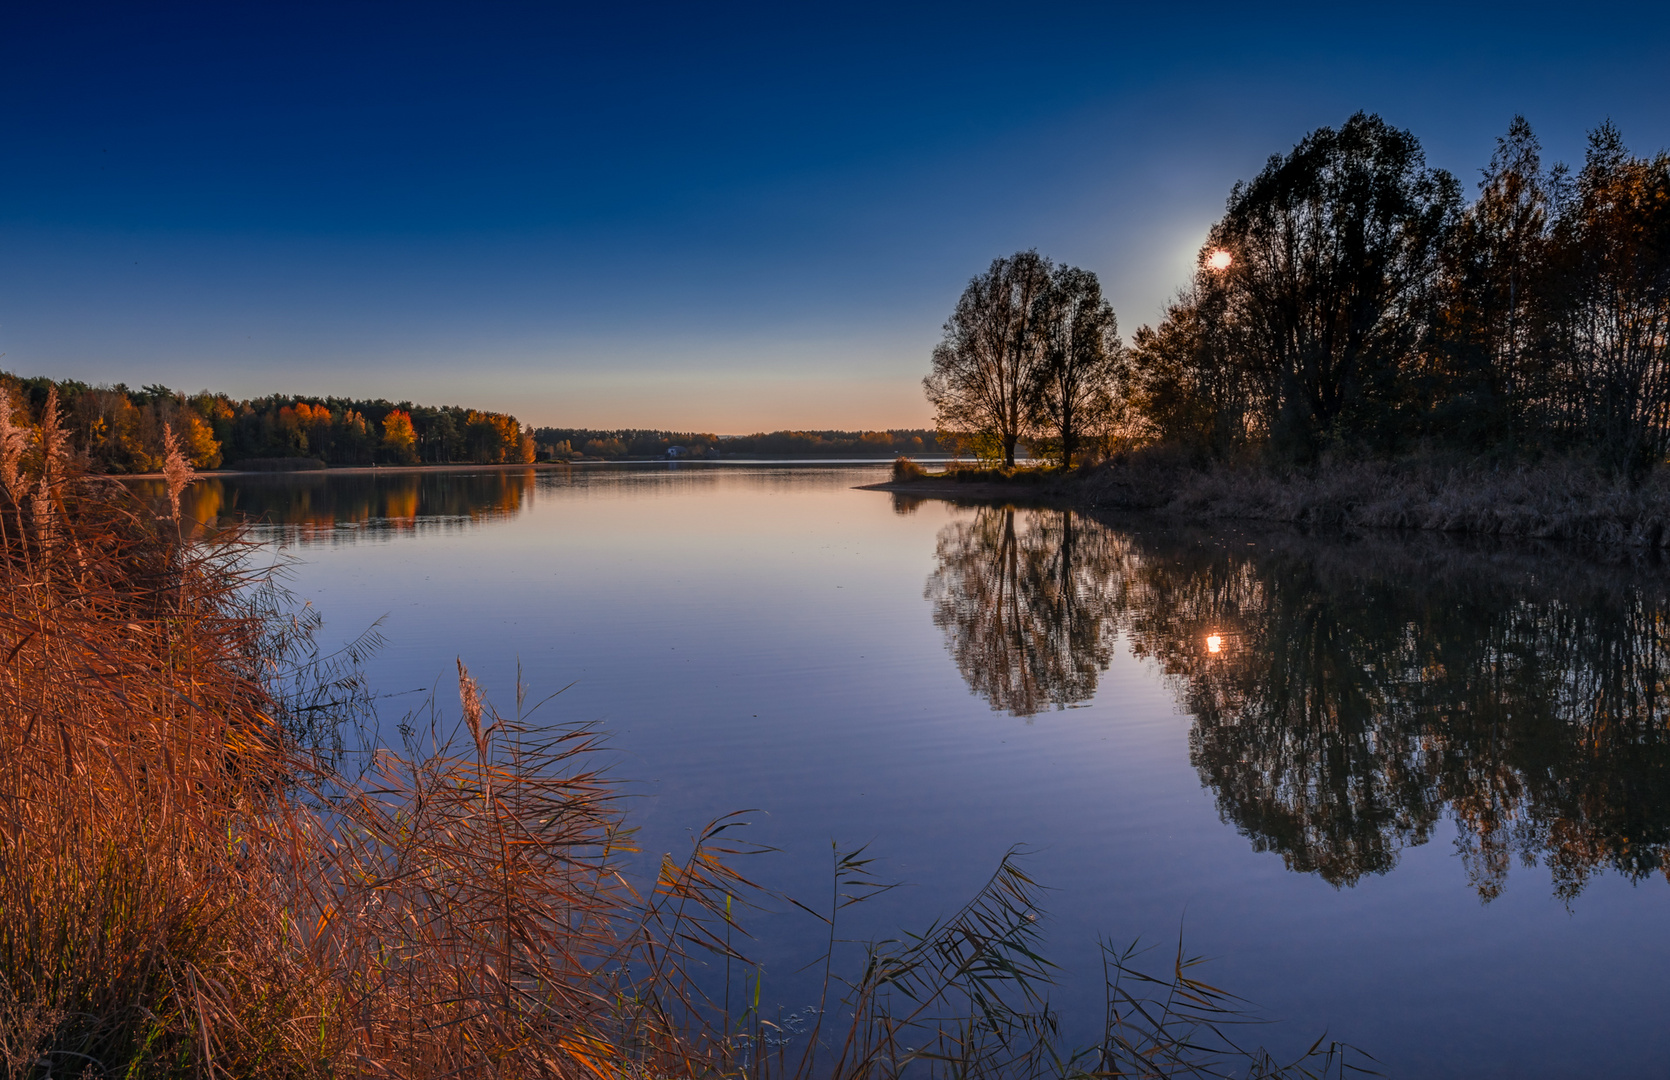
565 443
1351 302
116 429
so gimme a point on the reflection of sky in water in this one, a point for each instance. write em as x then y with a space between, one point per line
771 638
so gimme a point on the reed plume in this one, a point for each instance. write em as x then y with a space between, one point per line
177 472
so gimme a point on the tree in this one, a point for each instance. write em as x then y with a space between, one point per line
1611 284
1186 384
198 440
1334 248
986 368
1073 389
399 439
1493 387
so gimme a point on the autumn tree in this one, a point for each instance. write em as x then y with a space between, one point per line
987 368
1610 283
1493 385
399 439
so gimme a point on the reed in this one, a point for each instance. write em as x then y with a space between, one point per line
198 879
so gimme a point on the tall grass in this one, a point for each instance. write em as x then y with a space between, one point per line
139 761
196 879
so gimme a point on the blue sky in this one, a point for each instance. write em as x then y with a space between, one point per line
724 218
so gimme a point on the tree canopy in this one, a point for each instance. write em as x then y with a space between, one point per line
1348 301
1031 351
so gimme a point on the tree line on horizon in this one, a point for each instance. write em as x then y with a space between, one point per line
569 443
1350 301
119 430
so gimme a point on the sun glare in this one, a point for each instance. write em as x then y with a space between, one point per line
1214 643
1219 260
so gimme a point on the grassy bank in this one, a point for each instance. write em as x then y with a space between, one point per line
198 880
1554 499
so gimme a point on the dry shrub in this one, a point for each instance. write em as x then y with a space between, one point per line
904 469
140 758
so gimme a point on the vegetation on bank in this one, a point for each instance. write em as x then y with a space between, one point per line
1556 498
1350 312
198 878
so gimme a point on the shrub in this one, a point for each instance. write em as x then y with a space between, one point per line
905 470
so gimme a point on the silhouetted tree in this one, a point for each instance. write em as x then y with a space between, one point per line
1186 382
1611 285
1075 390
1494 388
1335 251
986 369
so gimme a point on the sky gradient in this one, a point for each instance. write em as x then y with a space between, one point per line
727 218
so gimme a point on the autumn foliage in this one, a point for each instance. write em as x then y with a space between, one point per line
119 430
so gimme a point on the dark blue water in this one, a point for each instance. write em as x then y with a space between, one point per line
1413 792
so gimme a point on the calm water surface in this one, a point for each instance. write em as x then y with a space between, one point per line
1413 792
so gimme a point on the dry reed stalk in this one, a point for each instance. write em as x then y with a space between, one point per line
186 889
138 748
189 888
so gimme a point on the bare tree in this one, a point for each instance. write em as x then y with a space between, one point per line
1074 390
986 368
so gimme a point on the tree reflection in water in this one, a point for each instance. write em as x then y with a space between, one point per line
1026 610
1349 695
333 506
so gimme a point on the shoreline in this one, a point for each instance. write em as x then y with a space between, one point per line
1554 500
343 470
937 487
380 470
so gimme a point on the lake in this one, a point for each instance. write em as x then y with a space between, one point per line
1410 790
